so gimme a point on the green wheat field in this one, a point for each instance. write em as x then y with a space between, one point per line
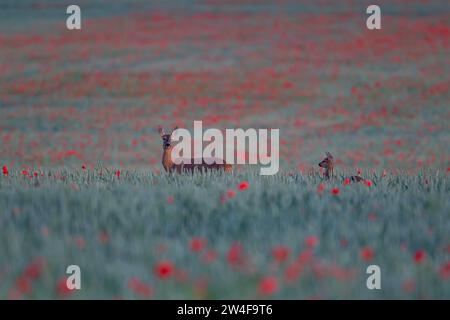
224 236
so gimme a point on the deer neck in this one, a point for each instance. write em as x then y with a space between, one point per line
167 159
329 172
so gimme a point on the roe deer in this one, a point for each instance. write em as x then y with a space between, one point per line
328 165
189 166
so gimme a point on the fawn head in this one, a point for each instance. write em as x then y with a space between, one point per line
166 137
327 164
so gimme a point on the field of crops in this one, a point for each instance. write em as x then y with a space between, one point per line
82 181
138 235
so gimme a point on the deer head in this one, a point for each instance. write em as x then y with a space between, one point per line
166 137
328 165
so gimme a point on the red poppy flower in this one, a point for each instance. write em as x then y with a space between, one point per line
311 241
181 275
234 255
281 253
347 181
335 191
23 285
164 269
231 193
209 256
288 85
34 269
201 287
170 199
320 188
268 286
80 242
243 185
5 170
83 167
368 183
409 286
419 256
367 254
197 244
293 271
62 289
103 237
140 288
444 272
372 217
344 242
305 257
24 172
118 173
14 294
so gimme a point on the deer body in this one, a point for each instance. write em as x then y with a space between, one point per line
188 165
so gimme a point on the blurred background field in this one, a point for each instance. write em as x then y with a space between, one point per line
78 118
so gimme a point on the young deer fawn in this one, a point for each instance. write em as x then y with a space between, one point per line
328 165
188 166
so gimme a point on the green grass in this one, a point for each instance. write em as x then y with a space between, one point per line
43 217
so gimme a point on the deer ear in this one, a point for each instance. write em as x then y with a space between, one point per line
161 131
174 129
329 155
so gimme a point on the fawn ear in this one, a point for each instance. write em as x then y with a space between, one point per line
174 129
161 131
329 155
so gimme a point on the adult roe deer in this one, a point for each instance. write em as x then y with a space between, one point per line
189 165
328 165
